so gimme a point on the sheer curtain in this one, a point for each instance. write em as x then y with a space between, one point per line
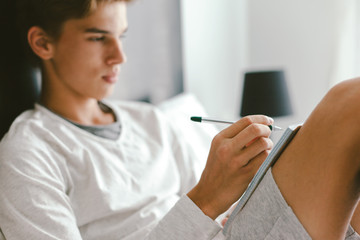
347 57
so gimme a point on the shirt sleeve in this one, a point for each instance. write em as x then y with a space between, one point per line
186 221
33 200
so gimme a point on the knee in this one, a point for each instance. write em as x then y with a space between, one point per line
337 118
346 93
343 100
340 108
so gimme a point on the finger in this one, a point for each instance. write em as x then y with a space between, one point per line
223 222
256 162
240 125
260 145
249 135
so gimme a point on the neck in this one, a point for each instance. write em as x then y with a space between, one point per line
88 113
81 110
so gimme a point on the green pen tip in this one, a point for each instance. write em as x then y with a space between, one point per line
196 119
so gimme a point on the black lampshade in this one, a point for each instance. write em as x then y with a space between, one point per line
265 92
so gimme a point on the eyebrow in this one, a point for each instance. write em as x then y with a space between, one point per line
97 30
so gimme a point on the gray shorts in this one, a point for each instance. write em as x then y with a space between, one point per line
267 216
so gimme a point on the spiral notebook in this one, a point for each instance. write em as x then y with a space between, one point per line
285 139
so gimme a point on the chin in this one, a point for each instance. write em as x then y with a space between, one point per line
106 94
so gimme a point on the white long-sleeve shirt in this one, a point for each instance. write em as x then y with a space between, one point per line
58 181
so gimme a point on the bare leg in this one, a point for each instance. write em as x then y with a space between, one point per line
355 221
318 173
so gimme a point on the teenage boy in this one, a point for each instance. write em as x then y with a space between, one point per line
80 167
77 167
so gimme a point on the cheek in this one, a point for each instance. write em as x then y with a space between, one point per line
80 61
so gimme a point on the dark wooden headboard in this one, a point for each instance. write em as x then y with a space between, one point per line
18 86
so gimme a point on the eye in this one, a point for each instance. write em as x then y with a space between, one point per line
97 39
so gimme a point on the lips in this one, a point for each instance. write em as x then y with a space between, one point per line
112 77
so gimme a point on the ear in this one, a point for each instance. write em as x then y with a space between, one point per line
40 43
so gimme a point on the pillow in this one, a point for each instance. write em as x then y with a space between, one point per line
178 110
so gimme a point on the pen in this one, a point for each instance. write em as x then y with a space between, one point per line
201 119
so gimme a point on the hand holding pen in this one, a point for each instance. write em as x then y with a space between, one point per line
235 155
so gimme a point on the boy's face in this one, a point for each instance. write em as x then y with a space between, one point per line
87 56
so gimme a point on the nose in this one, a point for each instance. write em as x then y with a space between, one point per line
116 53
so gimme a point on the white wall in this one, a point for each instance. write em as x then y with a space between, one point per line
222 39
214 52
299 36
153 48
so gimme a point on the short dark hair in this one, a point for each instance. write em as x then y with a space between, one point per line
50 15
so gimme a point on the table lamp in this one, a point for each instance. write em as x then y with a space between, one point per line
265 92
